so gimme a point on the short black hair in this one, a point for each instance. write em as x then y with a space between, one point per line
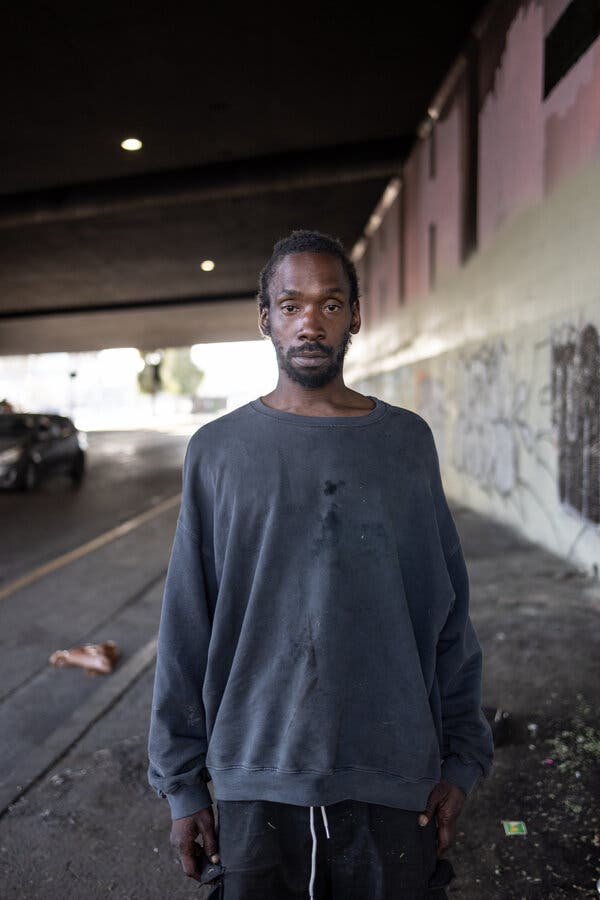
304 241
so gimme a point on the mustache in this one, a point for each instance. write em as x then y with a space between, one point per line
313 347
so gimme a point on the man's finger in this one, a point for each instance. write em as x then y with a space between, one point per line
429 811
209 842
206 825
188 856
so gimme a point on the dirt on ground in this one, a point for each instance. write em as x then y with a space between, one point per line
546 775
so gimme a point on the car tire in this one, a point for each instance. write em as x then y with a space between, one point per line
31 477
77 470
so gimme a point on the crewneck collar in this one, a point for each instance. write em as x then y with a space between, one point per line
374 415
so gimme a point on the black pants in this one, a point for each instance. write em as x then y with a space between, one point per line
282 852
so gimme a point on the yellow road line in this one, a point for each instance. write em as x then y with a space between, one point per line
97 542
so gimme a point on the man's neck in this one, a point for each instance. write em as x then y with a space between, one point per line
333 399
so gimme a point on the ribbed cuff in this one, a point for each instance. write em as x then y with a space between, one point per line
463 775
189 799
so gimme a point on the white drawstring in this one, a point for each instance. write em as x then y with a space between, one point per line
313 868
325 823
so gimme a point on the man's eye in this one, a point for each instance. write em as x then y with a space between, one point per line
288 306
333 306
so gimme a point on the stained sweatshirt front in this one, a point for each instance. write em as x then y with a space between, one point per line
315 643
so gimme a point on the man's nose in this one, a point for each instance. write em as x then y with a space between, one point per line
311 325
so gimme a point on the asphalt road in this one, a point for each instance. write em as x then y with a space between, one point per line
129 503
127 473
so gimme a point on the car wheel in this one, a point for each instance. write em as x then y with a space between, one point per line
31 477
77 470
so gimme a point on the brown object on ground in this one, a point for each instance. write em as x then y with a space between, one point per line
97 659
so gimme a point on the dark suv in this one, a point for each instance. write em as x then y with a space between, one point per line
33 445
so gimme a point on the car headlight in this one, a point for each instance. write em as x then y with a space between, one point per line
10 456
82 440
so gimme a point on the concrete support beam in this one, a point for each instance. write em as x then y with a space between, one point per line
153 325
286 172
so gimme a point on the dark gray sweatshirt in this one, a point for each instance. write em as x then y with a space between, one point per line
315 641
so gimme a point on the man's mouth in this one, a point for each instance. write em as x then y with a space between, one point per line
309 359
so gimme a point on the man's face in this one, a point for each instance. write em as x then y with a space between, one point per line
309 318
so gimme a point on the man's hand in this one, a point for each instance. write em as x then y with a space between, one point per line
183 838
445 802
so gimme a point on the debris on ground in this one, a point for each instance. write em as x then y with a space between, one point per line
514 827
552 787
508 728
97 659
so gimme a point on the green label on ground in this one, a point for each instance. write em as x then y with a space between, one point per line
514 827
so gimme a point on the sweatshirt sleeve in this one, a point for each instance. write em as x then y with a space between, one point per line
177 738
467 744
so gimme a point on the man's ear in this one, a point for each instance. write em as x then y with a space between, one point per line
263 322
356 320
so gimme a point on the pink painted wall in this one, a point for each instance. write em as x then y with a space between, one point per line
511 137
379 270
527 146
572 119
553 10
435 200
415 235
387 250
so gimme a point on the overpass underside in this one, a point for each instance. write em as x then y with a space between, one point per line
119 263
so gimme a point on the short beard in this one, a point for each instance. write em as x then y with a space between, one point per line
309 379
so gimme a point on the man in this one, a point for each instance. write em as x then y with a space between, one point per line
315 647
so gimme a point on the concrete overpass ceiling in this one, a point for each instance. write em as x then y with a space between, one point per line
252 122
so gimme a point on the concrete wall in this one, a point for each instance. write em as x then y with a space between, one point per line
502 354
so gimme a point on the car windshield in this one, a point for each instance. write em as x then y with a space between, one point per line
15 426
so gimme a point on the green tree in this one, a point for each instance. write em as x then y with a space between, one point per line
178 373
149 379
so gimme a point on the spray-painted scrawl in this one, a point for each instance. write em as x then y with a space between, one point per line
576 417
490 418
432 402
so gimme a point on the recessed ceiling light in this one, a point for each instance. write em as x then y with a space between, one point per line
131 144
207 266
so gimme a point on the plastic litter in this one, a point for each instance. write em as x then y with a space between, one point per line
97 659
501 724
511 828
